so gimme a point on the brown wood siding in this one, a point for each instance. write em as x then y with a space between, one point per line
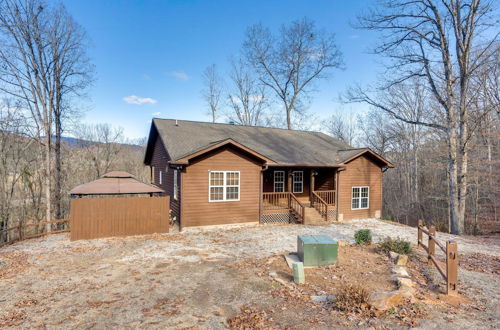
118 216
159 161
198 211
360 172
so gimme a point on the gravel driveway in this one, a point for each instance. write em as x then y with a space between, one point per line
126 282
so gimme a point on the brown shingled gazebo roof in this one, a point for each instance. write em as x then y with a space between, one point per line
115 183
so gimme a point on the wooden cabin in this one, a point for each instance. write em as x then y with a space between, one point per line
230 174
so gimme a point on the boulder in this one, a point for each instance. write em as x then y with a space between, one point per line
402 260
385 300
393 255
400 271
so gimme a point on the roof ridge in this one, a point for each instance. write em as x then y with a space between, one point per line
239 125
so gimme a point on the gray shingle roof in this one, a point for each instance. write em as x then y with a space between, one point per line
280 145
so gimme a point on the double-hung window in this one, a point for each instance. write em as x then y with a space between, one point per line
224 186
279 181
298 181
360 198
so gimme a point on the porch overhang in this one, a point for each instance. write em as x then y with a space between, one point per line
305 165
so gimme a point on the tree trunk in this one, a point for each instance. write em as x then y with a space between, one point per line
48 211
58 172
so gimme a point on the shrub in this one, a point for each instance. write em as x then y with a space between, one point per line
363 236
397 245
352 298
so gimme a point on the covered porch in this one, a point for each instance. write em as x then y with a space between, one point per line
299 194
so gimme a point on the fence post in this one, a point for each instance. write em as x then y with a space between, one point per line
20 229
432 244
451 267
419 237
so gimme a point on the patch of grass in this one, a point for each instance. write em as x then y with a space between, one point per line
352 298
397 245
363 236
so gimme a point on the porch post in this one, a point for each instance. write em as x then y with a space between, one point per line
311 184
289 175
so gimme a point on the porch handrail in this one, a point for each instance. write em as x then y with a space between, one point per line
320 205
328 196
297 206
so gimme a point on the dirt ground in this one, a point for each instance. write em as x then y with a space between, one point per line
208 278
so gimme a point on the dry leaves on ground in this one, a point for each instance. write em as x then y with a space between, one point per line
479 262
251 318
14 318
13 263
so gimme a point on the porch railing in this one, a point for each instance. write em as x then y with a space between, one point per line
319 204
328 196
297 207
276 201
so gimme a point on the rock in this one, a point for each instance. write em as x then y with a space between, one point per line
402 260
400 271
405 282
322 298
393 255
343 243
273 274
385 300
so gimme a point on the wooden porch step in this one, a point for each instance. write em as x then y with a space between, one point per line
312 217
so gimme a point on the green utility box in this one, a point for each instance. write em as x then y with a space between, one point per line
317 250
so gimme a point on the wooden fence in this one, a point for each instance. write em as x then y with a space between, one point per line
118 216
450 274
31 230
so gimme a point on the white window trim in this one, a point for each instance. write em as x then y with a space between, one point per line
359 198
161 178
176 185
274 180
301 182
224 187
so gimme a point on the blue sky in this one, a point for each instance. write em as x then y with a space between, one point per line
157 51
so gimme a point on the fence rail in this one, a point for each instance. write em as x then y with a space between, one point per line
283 202
450 272
8 235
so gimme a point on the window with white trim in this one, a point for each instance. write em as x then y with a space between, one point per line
298 181
161 178
175 185
279 181
360 198
224 186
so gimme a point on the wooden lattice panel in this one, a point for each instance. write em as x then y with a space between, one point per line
275 218
332 215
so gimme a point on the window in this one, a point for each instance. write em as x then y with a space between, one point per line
175 184
360 198
298 181
279 181
224 186
161 178
153 173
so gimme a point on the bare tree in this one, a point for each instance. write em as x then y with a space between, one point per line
445 43
102 146
292 61
342 128
39 64
246 96
212 92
